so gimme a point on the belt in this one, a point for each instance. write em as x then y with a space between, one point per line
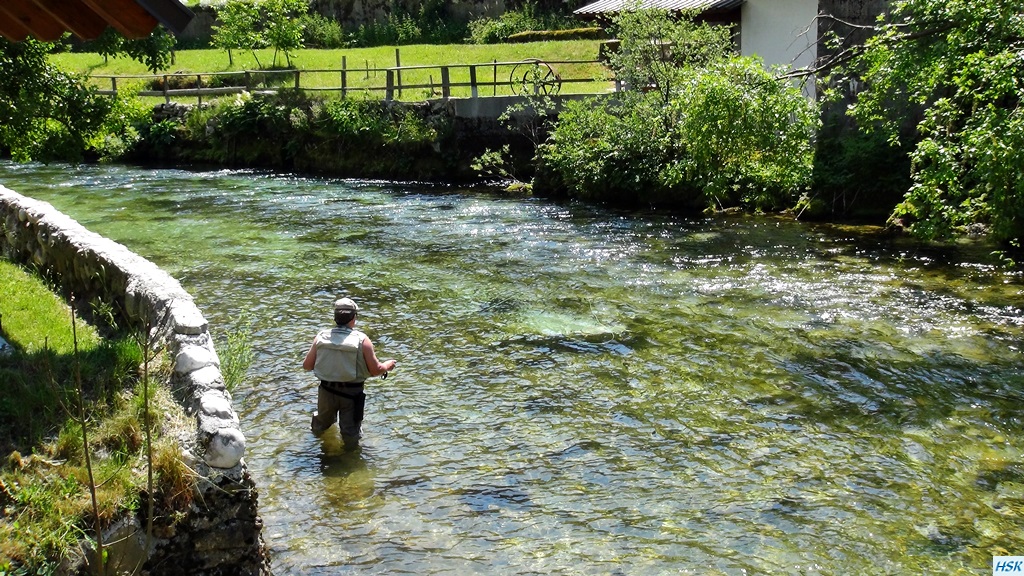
329 385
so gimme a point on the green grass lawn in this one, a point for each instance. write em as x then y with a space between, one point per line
367 66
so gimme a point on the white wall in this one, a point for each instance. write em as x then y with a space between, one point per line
781 32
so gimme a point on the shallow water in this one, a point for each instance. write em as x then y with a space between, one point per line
582 391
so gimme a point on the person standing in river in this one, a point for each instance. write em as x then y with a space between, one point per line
343 358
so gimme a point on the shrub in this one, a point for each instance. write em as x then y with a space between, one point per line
527 19
730 135
547 35
321 32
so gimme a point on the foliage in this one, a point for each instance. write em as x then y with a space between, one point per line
953 68
283 26
657 48
237 355
529 18
566 34
155 51
253 24
321 32
396 30
239 28
372 124
108 44
531 118
45 114
120 130
704 130
432 24
857 174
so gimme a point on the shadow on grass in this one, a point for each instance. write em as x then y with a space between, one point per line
38 391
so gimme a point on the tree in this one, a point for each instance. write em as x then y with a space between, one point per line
239 28
249 25
45 114
954 69
284 26
655 48
156 51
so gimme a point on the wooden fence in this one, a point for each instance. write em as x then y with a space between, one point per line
474 80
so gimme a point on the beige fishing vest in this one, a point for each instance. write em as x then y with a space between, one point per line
339 355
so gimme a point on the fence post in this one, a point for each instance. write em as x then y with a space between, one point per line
472 81
113 85
296 78
389 93
494 78
248 81
199 87
344 76
446 87
398 65
167 97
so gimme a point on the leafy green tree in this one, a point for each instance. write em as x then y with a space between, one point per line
108 44
656 48
239 28
955 69
156 51
283 25
45 114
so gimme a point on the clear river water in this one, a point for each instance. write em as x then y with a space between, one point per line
586 391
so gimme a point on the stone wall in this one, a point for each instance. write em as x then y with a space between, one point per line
222 532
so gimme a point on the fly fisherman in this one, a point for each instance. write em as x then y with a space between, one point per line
342 358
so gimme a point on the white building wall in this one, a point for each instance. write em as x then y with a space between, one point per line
781 32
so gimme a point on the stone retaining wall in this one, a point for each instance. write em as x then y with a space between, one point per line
223 531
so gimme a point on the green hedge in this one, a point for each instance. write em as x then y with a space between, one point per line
546 35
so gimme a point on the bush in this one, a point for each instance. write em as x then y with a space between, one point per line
731 135
525 20
321 32
432 24
547 35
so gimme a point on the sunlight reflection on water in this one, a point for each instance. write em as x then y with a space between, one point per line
581 391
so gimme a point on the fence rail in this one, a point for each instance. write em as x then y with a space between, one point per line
521 77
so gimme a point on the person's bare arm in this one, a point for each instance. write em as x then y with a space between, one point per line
310 361
375 366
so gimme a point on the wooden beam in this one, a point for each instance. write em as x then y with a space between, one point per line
171 13
11 28
39 24
127 17
75 16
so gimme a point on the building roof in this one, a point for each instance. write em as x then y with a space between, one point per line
47 20
608 7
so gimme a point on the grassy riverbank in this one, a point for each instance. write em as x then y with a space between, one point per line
49 498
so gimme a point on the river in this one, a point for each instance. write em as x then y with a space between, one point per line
586 391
